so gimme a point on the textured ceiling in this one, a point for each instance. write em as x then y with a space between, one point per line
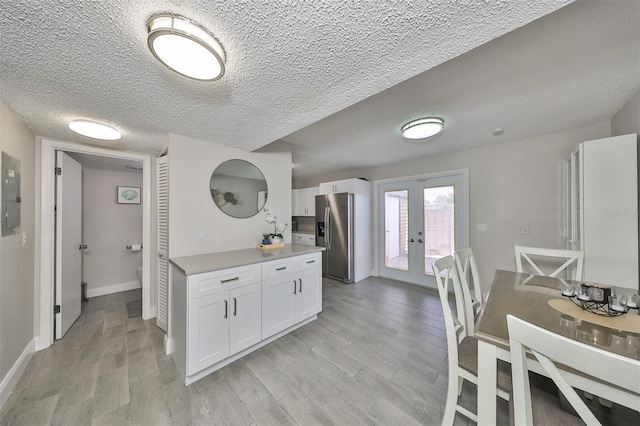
578 65
290 63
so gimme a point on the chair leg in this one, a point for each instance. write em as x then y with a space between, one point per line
452 401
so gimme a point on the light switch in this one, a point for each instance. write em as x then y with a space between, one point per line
522 230
201 235
482 227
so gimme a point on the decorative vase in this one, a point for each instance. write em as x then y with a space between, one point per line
275 240
266 241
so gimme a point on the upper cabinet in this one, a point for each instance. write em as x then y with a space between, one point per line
304 201
353 186
295 197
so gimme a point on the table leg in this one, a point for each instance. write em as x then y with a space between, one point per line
487 383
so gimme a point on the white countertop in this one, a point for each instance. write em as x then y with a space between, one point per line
198 264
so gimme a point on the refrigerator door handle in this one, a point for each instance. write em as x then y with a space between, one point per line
328 226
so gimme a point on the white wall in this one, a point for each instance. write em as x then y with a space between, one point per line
192 211
627 120
510 183
16 261
108 227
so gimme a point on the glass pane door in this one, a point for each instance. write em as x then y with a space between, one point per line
395 238
421 221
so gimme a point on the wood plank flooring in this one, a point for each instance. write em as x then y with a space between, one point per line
376 355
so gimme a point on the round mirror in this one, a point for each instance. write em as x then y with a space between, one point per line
238 188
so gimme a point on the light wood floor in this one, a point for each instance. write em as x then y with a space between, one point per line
376 355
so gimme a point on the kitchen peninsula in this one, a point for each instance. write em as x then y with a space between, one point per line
225 305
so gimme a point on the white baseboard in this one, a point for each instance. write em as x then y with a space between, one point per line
12 377
115 288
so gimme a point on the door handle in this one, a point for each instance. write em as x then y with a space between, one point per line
300 281
82 247
294 287
420 241
411 240
235 306
226 308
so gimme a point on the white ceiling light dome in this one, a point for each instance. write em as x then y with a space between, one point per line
422 128
186 48
95 130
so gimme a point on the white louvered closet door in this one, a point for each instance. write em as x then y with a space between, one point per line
163 242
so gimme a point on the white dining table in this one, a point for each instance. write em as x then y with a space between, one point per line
527 296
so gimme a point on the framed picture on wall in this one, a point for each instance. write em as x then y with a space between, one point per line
128 195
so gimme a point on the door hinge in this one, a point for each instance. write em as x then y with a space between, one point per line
58 171
56 309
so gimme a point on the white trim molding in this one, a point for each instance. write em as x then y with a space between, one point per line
45 239
11 379
114 288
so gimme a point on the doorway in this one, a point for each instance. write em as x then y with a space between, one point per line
421 219
46 237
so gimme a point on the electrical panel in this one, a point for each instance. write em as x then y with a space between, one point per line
10 195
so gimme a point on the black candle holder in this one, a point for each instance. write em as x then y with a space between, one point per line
598 302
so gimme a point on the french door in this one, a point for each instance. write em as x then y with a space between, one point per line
421 220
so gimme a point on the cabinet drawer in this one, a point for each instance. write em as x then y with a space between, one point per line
211 282
308 261
277 268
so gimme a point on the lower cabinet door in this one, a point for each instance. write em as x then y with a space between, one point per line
208 338
277 304
245 317
308 298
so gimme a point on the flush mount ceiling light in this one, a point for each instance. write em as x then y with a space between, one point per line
185 47
422 128
94 130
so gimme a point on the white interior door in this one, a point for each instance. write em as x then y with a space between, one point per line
68 242
422 221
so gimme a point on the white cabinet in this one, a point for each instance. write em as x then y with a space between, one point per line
303 201
292 294
245 317
222 322
602 209
208 335
295 202
347 185
219 316
304 239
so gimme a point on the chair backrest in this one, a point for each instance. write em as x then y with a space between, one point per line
470 280
573 261
456 325
550 348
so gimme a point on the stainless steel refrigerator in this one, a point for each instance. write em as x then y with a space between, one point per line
334 230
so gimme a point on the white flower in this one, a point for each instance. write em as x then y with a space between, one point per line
269 216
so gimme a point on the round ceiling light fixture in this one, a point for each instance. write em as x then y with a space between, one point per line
95 130
185 47
422 128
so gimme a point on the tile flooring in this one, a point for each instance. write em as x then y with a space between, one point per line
376 355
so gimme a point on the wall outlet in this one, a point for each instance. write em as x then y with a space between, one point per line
24 238
482 227
522 230
201 236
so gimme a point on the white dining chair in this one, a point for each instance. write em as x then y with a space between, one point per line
572 261
551 349
461 345
470 280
